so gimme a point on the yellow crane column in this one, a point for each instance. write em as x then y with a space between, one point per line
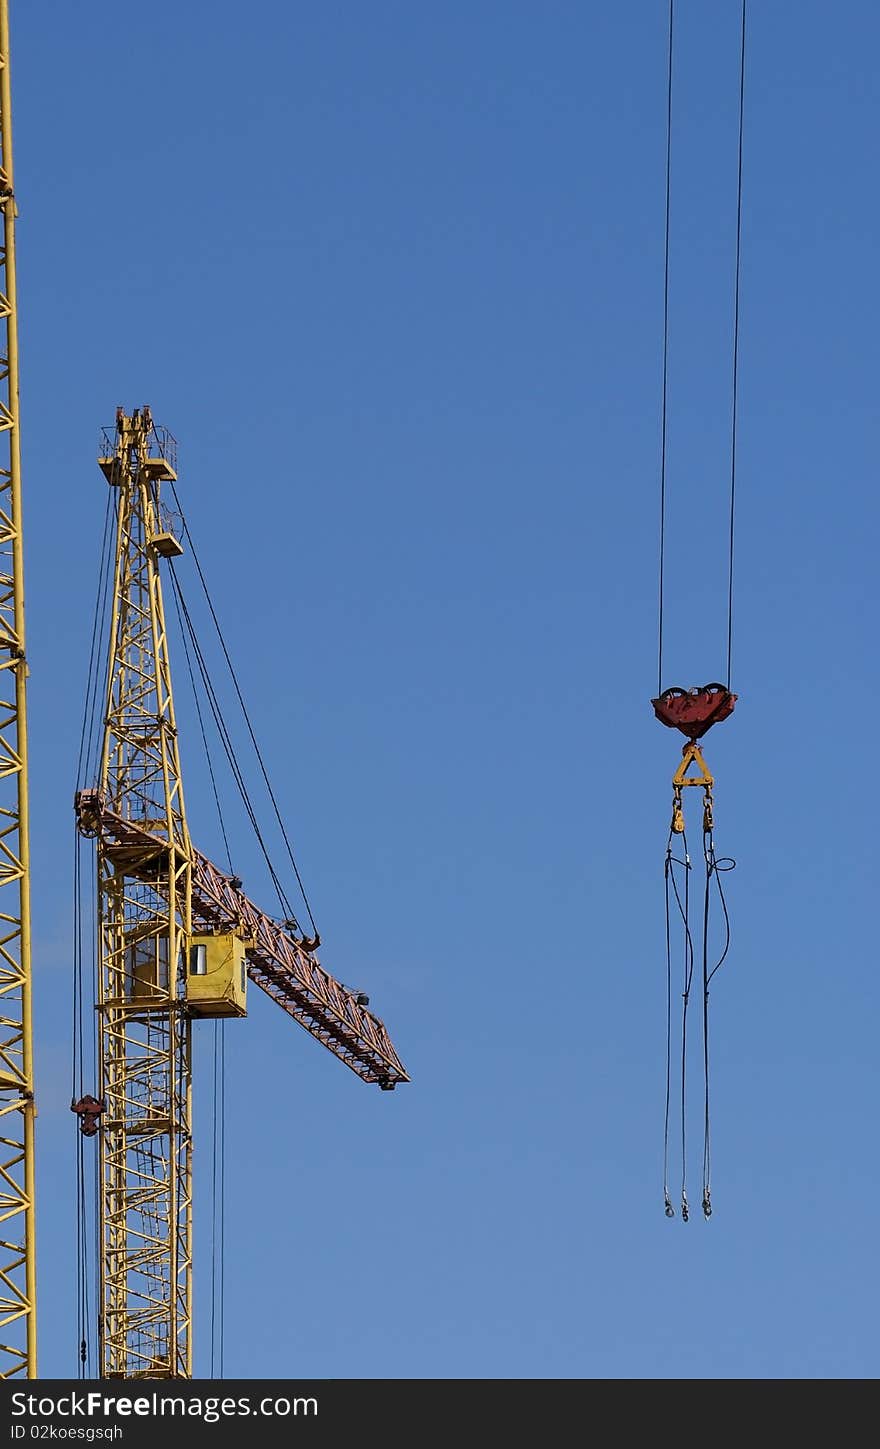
144 1067
178 941
18 1345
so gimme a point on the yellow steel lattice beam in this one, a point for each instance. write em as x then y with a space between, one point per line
144 1063
18 1350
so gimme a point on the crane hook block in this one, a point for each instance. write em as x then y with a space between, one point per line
88 1109
694 711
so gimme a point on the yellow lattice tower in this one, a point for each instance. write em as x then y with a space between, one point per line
177 942
145 1226
18 1347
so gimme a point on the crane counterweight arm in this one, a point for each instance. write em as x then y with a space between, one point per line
276 962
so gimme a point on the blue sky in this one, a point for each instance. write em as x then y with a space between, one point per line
393 276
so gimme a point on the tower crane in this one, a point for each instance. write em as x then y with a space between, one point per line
178 940
18 1347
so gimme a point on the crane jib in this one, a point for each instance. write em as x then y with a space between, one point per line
276 962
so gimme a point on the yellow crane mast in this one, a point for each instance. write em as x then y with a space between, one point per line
177 941
18 1346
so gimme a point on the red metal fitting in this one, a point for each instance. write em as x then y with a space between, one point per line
694 711
89 1110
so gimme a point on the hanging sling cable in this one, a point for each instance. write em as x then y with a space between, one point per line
693 712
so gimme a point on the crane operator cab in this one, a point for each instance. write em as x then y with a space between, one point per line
216 976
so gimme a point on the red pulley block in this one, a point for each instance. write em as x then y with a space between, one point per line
694 711
89 1110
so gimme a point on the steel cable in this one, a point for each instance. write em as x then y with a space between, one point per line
665 353
735 350
739 188
714 868
88 723
682 900
244 711
228 747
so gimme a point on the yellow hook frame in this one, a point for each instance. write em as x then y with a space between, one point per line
691 755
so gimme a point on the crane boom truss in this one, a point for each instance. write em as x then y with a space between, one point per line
18 1349
333 1013
295 979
